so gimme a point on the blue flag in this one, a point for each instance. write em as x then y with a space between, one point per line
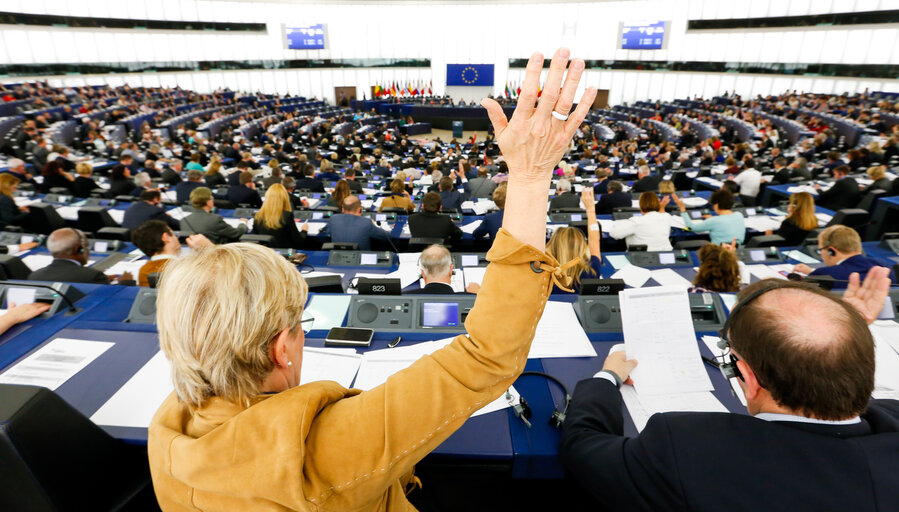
469 74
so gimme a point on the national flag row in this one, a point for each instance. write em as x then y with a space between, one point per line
413 88
513 89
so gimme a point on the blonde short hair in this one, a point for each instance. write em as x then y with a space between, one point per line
83 169
200 196
876 172
218 310
841 238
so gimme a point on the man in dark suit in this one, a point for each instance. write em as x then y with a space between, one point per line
781 172
172 173
309 182
351 227
245 193
71 252
493 221
565 198
841 250
450 198
296 202
430 224
804 360
843 194
212 225
355 186
183 189
437 272
616 198
147 208
646 182
602 181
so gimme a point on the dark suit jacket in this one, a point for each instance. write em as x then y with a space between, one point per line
647 184
677 463
433 225
566 200
843 194
793 234
58 180
121 188
344 227
287 236
82 187
451 200
355 186
601 188
183 190
68 272
433 289
213 226
243 194
858 263
170 177
215 180
142 211
608 202
310 184
9 212
490 225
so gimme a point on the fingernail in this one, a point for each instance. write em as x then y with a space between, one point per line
564 53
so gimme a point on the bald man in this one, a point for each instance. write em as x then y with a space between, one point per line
436 264
71 252
351 227
812 439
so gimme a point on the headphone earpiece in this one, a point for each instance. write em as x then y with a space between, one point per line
832 252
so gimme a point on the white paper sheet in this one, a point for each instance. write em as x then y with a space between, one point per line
823 219
117 215
315 227
633 275
474 274
801 257
309 275
802 188
695 202
68 212
55 363
234 223
378 365
177 213
470 227
729 299
886 370
135 403
766 271
668 277
126 266
337 364
618 261
762 223
658 332
328 310
483 206
559 334
18 295
37 261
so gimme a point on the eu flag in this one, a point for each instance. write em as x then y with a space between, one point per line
469 74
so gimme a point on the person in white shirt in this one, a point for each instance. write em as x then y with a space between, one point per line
749 180
651 229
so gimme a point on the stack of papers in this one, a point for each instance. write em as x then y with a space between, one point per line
801 257
770 271
177 213
470 227
481 207
694 201
559 334
658 331
314 227
378 365
802 188
237 223
762 223
55 363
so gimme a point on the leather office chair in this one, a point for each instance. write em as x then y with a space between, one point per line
340 246
867 202
852 217
766 241
43 219
266 240
94 218
398 211
691 245
418 244
12 267
114 233
53 458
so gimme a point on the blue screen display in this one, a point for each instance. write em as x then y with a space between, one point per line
440 314
306 38
649 35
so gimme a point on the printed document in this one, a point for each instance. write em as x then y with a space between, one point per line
55 363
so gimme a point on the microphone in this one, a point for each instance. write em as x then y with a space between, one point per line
72 308
824 281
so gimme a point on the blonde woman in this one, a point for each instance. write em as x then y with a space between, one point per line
568 244
878 174
398 198
84 184
800 219
214 177
275 218
241 433
10 213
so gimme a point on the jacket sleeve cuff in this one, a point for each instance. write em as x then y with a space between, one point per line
509 250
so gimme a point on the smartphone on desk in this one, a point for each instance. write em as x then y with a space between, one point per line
349 336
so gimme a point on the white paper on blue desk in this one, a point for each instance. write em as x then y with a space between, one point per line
801 257
117 215
378 365
135 403
471 226
337 364
658 332
641 407
668 277
559 334
633 275
55 363
474 275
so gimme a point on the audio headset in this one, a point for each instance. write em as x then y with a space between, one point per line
523 411
727 361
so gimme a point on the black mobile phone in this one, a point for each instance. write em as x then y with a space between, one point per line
349 336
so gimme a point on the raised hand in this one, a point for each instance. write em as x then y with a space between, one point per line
868 299
534 141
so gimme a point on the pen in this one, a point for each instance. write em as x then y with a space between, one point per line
708 361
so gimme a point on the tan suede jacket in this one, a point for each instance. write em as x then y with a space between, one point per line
323 447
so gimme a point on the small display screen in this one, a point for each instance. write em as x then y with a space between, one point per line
440 314
750 212
469 260
576 217
666 258
381 217
696 214
757 255
26 239
101 246
368 258
317 215
310 37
